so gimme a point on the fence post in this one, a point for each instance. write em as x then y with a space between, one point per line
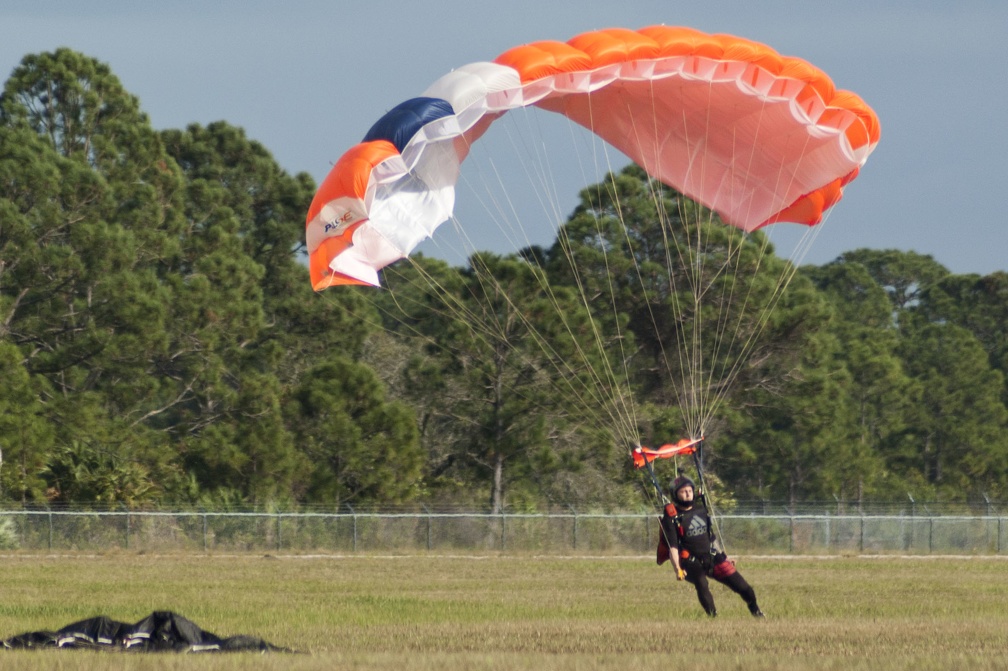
278 531
574 540
204 531
987 521
427 510
861 540
353 514
127 529
50 529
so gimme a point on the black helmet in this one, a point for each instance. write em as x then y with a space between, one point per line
679 483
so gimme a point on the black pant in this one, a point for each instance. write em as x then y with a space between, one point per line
697 574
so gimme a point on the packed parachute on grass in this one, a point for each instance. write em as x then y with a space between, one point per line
161 631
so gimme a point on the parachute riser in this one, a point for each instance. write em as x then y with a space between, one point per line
698 464
659 492
660 502
702 495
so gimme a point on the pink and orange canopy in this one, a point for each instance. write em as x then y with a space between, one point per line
755 136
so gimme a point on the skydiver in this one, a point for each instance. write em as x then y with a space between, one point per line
692 547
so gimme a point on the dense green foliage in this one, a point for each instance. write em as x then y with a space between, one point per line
160 343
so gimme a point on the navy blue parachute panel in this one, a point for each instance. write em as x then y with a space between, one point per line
402 122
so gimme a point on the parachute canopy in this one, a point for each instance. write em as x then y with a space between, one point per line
161 631
755 136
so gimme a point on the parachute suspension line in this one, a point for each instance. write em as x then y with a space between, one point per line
734 341
682 389
711 382
722 343
507 220
687 398
453 307
706 386
725 342
694 258
695 272
714 281
536 167
607 378
658 500
624 427
627 401
482 191
481 329
659 493
622 400
716 277
403 310
708 500
664 225
686 293
713 376
685 394
753 332
547 193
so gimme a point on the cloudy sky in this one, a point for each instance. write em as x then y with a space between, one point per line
307 78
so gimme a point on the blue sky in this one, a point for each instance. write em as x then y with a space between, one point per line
307 78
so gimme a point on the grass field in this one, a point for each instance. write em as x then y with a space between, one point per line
437 613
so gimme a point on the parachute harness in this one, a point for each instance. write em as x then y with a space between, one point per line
644 457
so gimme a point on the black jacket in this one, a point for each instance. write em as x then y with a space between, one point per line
688 530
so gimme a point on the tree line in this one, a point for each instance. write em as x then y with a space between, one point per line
160 343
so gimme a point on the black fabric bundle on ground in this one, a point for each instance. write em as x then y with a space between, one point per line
161 631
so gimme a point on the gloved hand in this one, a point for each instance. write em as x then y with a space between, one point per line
680 574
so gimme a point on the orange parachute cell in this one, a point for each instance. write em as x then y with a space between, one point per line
544 59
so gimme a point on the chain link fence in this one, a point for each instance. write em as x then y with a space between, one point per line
570 533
